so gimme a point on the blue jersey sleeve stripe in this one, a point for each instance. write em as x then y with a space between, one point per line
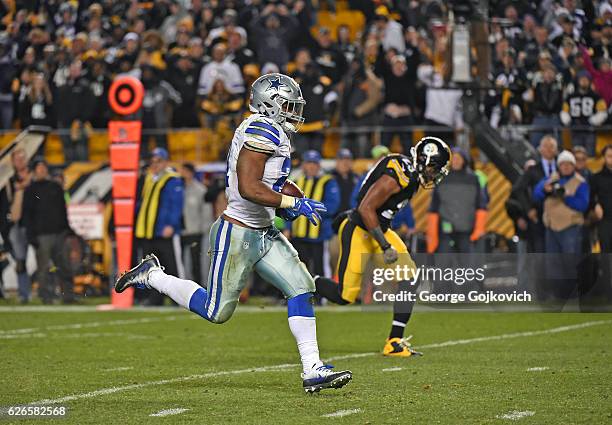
266 126
265 134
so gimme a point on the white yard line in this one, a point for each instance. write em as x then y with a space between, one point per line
113 390
97 324
518 334
169 412
391 369
118 369
537 369
515 415
76 335
341 413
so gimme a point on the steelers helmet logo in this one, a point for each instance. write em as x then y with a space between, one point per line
430 149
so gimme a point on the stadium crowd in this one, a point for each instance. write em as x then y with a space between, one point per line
549 67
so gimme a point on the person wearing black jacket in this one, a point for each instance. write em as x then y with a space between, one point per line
8 71
320 101
601 190
527 212
399 105
46 222
547 104
601 194
75 105
328 56
183 76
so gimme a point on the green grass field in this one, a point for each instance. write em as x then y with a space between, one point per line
122 367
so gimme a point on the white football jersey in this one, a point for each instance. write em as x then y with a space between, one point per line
260 134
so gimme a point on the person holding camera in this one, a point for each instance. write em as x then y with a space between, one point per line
565 195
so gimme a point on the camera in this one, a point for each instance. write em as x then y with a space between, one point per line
557 190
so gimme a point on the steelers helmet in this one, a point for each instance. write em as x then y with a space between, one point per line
278 97
431 159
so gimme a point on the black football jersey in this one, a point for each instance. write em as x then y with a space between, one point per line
582 106
399 167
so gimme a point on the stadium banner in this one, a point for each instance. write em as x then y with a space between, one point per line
87 220
493 281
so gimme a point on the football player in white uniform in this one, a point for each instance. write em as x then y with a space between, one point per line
244 239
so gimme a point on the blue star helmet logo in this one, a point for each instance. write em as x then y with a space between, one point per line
275 84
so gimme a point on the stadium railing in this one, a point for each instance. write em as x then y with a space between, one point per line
207 145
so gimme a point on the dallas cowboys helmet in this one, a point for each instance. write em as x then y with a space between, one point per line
431 159
279 97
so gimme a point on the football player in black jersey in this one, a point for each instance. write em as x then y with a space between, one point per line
386 189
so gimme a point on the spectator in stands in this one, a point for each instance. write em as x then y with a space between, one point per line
565 198
271 34
328 56
602 47
36 107
158 217
17 235
238 52
196 53
547 104
220 68
533 49
578 15
399 104
602 75
228 27
175 13
345 177
46 222
388 31
346 46
512 28
601 190
221 107
183 77
320 101
458 212
443 106
158 99
566 30
581 156
131 49
505 104
197 218
8 72
523 188
363 92
309 240
75 107
584 109
99 85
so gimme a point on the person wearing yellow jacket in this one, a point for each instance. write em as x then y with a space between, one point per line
457 215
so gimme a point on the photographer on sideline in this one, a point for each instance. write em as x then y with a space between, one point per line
565 195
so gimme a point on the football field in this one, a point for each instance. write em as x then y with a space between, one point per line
168 366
